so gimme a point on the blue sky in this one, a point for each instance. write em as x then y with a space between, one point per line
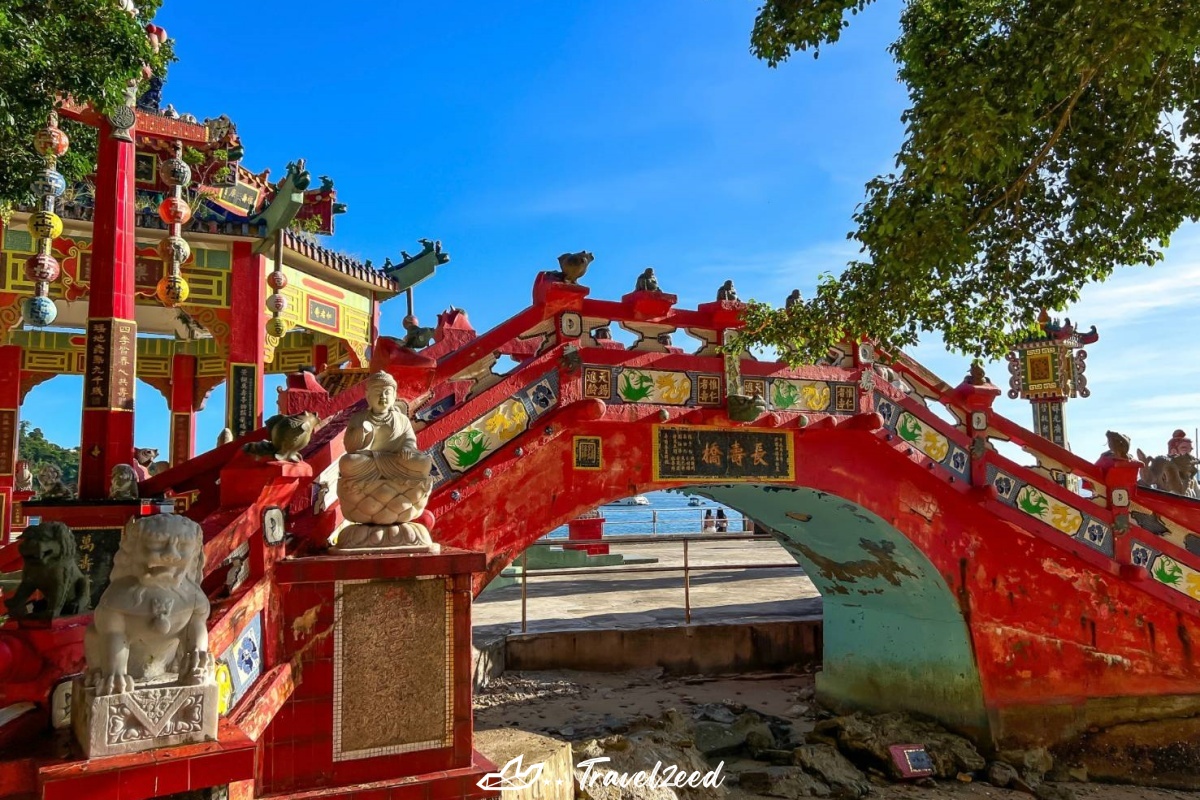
643 132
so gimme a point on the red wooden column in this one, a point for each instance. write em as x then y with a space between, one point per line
10 415
107 436
247 340
183 408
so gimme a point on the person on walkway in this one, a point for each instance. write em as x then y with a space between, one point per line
722 521
710 524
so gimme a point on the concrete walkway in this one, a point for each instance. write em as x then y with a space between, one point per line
593 599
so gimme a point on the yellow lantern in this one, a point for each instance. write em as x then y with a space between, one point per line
172 290
45 225
276 327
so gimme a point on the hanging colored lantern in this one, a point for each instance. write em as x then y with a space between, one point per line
276 304
176 172
39 310
42 268
50 183
51 142
45 225
175 211
276 327
172 290
277 280
175 249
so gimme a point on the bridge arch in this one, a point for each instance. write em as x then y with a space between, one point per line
897 633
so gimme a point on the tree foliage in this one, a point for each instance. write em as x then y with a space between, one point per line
87 50
1047 143
39 451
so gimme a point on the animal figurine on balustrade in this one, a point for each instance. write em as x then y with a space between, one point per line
143 459
50 568
224 437
727 293
648 281
745 409
23 479
416 337
288 435
51 486
573 266
1118 445
1174 474
123 484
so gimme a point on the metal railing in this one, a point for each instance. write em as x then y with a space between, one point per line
687 568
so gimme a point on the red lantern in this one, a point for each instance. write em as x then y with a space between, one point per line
276 280
51 141
42 268
175 211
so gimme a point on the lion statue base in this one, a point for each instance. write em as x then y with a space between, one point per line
50 568
150 677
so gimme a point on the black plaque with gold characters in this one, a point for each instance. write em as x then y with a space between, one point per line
8 444
99 363
95 549
588 453
683 453
242 397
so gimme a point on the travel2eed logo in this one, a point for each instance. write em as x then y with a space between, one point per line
516 776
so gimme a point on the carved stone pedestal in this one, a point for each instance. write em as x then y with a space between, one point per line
158 714
407 537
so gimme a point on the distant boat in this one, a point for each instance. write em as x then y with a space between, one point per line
636 500
695 501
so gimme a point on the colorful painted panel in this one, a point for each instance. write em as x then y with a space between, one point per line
1166 570
653 386
685 453
1065 518
466 448
925 438
243 659
789 395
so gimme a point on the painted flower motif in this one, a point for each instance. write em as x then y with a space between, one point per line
1141 556
1095 532
1003 484
959 460
542 396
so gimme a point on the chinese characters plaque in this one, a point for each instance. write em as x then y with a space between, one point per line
243 394
723 454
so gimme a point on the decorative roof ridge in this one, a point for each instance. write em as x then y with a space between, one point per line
338 261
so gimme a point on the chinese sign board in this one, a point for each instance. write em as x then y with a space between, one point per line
588 453
243 397
723 454
8 434
321 314
181 438
95 549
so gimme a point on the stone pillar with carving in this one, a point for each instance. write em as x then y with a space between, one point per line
150 679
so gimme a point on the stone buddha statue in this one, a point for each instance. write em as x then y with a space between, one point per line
385 480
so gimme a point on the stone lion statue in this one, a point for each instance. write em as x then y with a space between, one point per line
50 484
152 619
124 483
51 568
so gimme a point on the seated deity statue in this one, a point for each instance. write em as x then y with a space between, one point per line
385 480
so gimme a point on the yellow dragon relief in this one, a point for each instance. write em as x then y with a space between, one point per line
508 420
1065 518
673 389
816 397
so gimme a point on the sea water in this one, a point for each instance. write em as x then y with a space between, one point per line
668 512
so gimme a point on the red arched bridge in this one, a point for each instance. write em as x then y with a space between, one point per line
956 582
